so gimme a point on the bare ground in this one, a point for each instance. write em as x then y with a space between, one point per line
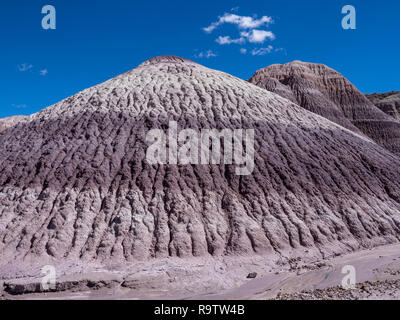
377 276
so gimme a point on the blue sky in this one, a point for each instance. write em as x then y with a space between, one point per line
97 40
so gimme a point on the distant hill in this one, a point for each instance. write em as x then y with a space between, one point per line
324 91
388 102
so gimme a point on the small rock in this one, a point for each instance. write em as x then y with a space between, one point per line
365 288
301 271
251 275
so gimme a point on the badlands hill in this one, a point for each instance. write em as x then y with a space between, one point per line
75 182
388 102
322 90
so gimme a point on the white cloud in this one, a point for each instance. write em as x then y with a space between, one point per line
253 36
205 54
43 72
262 51
258 36
25 67
228 40
243 22
249 32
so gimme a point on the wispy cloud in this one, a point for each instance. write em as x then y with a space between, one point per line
262 51
243 22
228 40
205 54
243 50
281 50
19 106
25 67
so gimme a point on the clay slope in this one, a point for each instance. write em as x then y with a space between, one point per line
388 102
75 182
322 90
10 121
